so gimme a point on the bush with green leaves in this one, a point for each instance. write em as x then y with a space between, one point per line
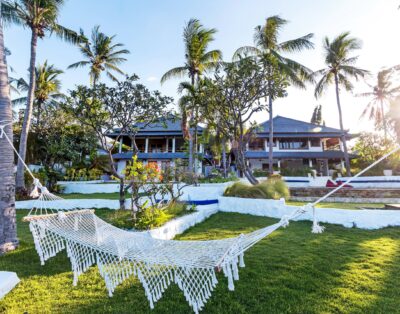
273 188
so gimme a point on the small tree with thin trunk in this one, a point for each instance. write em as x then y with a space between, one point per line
116 111
236 93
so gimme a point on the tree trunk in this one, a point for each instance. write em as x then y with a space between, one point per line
271 138
120 178
39 112
8 228
343 137
121 194
20 180
383 121
224 157
242 165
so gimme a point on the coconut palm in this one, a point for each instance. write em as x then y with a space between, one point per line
8 230
101 54
339 71
394 116
198 60
279 69
47 89
381 95
41 17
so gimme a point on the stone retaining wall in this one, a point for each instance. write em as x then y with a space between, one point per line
367 193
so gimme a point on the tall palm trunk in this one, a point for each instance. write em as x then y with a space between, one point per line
383 121
8 230
271 138
191 168
20 180
343 137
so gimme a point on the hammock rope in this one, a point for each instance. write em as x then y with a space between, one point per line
119 254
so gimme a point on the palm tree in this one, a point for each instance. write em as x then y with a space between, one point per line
47 90
268 49
40 16
198 60
394 116
381 95
340 69
8 230
102 55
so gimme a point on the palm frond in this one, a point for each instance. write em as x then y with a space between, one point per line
297 44
177 72
246 50
79 64
323 84
67 34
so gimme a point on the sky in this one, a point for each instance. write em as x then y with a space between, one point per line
152 31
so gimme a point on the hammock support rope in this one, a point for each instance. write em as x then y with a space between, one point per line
119 254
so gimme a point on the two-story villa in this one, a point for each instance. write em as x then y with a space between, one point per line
162 143
297 144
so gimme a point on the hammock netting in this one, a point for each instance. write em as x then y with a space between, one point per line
120 254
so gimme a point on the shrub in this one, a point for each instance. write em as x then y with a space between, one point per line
260 173
273 188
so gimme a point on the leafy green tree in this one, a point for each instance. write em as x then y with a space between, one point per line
116 110
198 60
41 17
8 223
380 96
102 55
278 68
47 89
235 93
317 116
339 71
372 146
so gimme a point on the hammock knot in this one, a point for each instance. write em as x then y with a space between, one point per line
284 221
35 191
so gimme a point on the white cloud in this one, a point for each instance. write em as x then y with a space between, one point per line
152 79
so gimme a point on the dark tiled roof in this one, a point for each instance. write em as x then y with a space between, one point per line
330 154
291 126
170 126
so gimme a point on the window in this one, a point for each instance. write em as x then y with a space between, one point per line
293 143
256 144
315 142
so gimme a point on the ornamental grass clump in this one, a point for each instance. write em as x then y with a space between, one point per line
273 188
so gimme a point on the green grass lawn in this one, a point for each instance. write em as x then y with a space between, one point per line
291 271
340 205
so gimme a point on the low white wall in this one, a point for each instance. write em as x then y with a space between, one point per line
89 187
181 224
364 219
206 191
258 207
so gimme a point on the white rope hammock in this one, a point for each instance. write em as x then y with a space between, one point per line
119 254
